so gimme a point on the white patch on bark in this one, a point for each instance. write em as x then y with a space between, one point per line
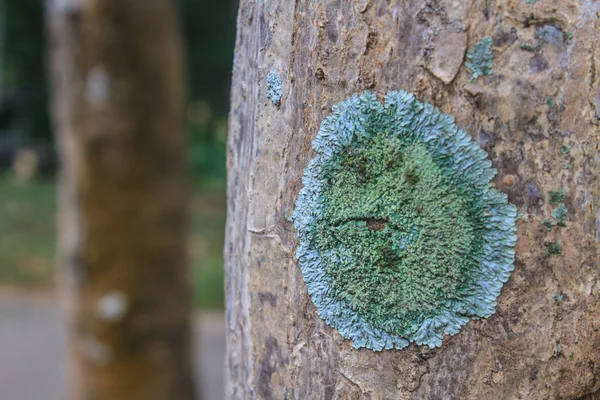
95 351
112 306
65 5
97 86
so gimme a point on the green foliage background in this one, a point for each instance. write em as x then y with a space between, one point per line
27 228
208 30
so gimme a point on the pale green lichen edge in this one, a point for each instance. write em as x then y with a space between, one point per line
468 164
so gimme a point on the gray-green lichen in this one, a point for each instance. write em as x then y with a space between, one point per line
402 238
480 58
548 224
274 90
553 249
526 46
560 213
557 196
558 298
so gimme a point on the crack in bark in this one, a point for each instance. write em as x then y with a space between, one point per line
593 86
353 383
295 24
273 232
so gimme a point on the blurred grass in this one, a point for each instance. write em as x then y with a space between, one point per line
27 236
207 226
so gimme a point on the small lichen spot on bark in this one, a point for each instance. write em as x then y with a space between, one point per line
274 89
557 196
548 224
560 213
553 249
480 58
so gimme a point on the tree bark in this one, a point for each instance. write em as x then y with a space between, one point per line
118 108
537 118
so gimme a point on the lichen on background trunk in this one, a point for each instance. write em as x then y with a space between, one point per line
536 116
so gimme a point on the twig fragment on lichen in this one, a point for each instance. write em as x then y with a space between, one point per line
480 58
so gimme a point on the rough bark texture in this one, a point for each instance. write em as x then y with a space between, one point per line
543 94
119 118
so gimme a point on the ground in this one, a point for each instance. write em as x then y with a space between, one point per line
33 364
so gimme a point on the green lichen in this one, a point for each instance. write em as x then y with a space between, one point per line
542 32
550 102
560 213
526 46
530 1
402 238
553 249
568 35
564 149
480 58
388 205
548 224
558 298
557 196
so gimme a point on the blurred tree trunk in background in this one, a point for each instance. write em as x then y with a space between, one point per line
537 118
118 109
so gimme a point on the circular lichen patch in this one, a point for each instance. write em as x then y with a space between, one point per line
402 238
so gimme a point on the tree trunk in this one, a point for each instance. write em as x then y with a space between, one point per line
118 107
537 118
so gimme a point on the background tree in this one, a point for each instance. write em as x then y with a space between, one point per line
208 29
118 105
535 112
